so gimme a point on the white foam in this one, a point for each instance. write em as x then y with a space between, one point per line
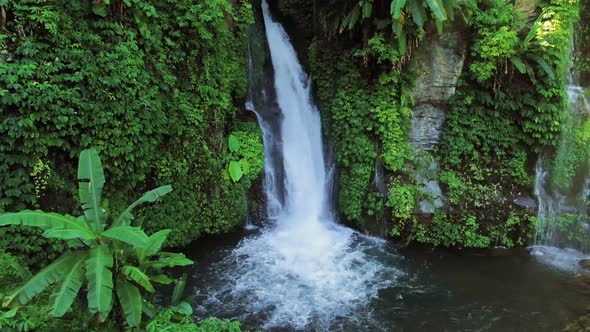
565 259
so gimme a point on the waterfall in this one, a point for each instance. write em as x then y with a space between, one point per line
563 219
302 270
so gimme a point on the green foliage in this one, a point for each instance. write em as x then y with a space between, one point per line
33 317
164 322
395 14
497 112
368 120
113 261
573 154
248 156
402 200
441 231
478 215
153 85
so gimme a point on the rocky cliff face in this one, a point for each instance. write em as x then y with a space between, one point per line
440 63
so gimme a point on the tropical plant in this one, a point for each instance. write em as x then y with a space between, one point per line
400 12
237 169
111 256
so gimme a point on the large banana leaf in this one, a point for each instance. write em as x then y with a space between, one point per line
544 65
437 8
40 281
154 243
91 182
169 259
161 279
130 300
132 235
396 8
533 31
418 12
151 196
70 285
100 280
57 225
135 274
178 290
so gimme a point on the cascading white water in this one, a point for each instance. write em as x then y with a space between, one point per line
303 270
563 219
305 168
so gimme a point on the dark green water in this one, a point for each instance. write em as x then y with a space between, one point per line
435 290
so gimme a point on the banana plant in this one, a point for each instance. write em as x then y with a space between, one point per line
528 54
420 11
112 257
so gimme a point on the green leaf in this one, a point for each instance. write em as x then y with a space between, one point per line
235 171
99 9
9 314
151 196
69 234
135 274
531 73
437 9
544 65
40 281
131 235
130 300
100 280
449 7
149 309
353 17
418 12
533 32
178 290
402 42
156 241
70 285
161 279
168 259
91 182
245 166
183 308
234 143
56 225
367 9
439 26
518 64
396 8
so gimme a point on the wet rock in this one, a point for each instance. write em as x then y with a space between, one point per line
427 122
431 189
440 63
528 8
585 263
525 202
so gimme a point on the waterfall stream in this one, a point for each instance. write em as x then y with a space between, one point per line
563 219
302 269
